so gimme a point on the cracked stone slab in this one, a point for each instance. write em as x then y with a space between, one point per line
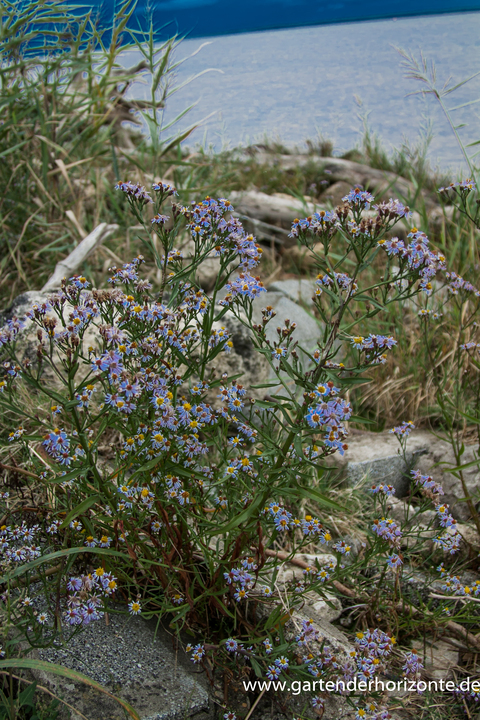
375 458
132 661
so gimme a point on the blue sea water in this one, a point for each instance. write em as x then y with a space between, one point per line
299 83
202 18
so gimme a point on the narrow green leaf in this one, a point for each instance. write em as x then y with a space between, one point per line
67 552
265 385
69 476
26 697
12 149
239 519
80 509
364 421
463 467
315 495
256 667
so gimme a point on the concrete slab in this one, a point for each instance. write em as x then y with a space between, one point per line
129 660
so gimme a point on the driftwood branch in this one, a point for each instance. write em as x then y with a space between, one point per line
452 627
277 208
301 563
71 263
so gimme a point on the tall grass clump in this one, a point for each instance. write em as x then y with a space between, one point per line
69 129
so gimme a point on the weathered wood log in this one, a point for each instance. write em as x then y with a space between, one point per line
279 209
270 215
71 263
338 169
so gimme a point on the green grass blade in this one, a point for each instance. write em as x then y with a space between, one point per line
31 664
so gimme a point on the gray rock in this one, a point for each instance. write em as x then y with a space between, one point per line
298 290
27 341
470 536
336 706
308 330
132 660
441 658
327 607
374 458
403 512
250 363
440 456
207 272
390 470
22 304
243 360
334 194
351 173
278 208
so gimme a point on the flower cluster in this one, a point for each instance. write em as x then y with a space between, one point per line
452 584
85 598
369 656
373 342
340 280
465 185
372 712
373 345
427 484
18 543
326 224
393 210
387 490
359 197
241 579
198 652
458 284
320 223
417 256
412 665
244 286
388 529
403 430
425 313
134 191
451 538
10 332
310 526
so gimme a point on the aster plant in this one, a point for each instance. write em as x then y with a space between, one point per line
184 519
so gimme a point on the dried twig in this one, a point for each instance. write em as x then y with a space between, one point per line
13 468
463 598
255 704
454 628
300 563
